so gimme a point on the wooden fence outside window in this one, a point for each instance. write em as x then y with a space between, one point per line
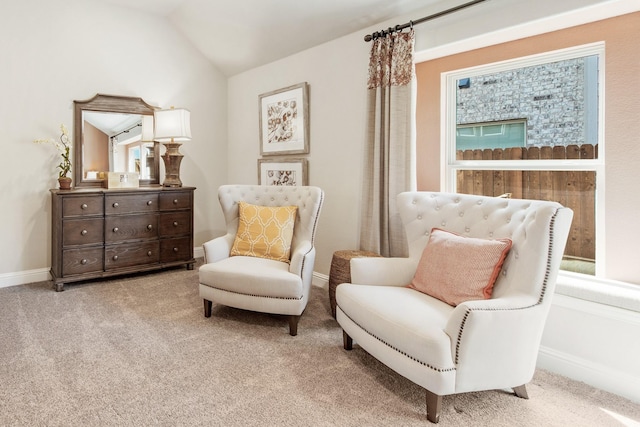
574 189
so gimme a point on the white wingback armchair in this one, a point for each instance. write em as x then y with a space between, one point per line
260 284
477 345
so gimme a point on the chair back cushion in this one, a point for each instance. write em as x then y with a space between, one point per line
307 199
537 229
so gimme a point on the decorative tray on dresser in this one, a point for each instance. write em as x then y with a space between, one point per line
99 232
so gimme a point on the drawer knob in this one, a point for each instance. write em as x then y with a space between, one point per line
149 227
84 206
115 205
83 262
115 257
149 253
149 203
175 223
175 201
115 229
175 249
84 232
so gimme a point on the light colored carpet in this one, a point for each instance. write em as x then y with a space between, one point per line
138 351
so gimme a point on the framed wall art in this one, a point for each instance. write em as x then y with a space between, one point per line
284 121
291 172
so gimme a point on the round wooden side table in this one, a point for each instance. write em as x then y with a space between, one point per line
340 271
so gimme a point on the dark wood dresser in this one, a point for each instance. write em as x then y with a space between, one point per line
107 232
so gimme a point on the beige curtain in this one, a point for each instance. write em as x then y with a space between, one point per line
389 167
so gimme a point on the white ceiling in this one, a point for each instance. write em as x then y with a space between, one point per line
243 34
111 123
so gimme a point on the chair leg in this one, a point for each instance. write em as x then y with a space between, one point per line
434 405
293 325
521 391
207 308
347 341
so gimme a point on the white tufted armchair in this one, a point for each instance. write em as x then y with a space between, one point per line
477 345
260 284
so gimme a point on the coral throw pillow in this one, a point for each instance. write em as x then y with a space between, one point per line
264 231
455 268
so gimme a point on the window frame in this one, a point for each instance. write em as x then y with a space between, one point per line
450 165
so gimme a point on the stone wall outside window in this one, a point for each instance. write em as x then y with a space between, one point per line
551 97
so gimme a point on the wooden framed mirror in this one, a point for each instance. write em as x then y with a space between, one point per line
108 137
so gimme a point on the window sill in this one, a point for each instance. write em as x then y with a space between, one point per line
602 291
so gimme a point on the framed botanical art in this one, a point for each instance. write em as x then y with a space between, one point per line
284 121
282 172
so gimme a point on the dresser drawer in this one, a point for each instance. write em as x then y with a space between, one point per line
130 227
176 249
175 224
82 231
82 206
80 261
131 254
175 200
115 204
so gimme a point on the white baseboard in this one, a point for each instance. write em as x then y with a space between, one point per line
42 274
198 252
320 280
610 343
24 277
596 375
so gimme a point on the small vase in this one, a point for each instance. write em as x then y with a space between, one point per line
65 183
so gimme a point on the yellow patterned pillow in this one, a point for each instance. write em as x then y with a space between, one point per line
264 231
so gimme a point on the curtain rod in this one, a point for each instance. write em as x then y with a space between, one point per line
390 30
126 130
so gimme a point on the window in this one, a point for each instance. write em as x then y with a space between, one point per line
532 128
491 135
140 158
134 159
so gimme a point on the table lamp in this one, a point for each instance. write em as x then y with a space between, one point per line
171 128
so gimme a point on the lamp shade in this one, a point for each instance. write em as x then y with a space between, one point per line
147 129
173 124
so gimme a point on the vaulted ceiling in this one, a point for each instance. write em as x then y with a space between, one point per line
243 34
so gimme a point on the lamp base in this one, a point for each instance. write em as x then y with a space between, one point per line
172 159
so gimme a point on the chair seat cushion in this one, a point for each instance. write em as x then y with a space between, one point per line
409 321
252 276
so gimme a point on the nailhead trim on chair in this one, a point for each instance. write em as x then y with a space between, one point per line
254 295
398 350
313 234
315 223
542 293
546 273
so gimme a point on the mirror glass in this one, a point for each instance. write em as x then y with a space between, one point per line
109 137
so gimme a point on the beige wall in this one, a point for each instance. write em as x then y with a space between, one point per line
57 51
336 74
622 103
